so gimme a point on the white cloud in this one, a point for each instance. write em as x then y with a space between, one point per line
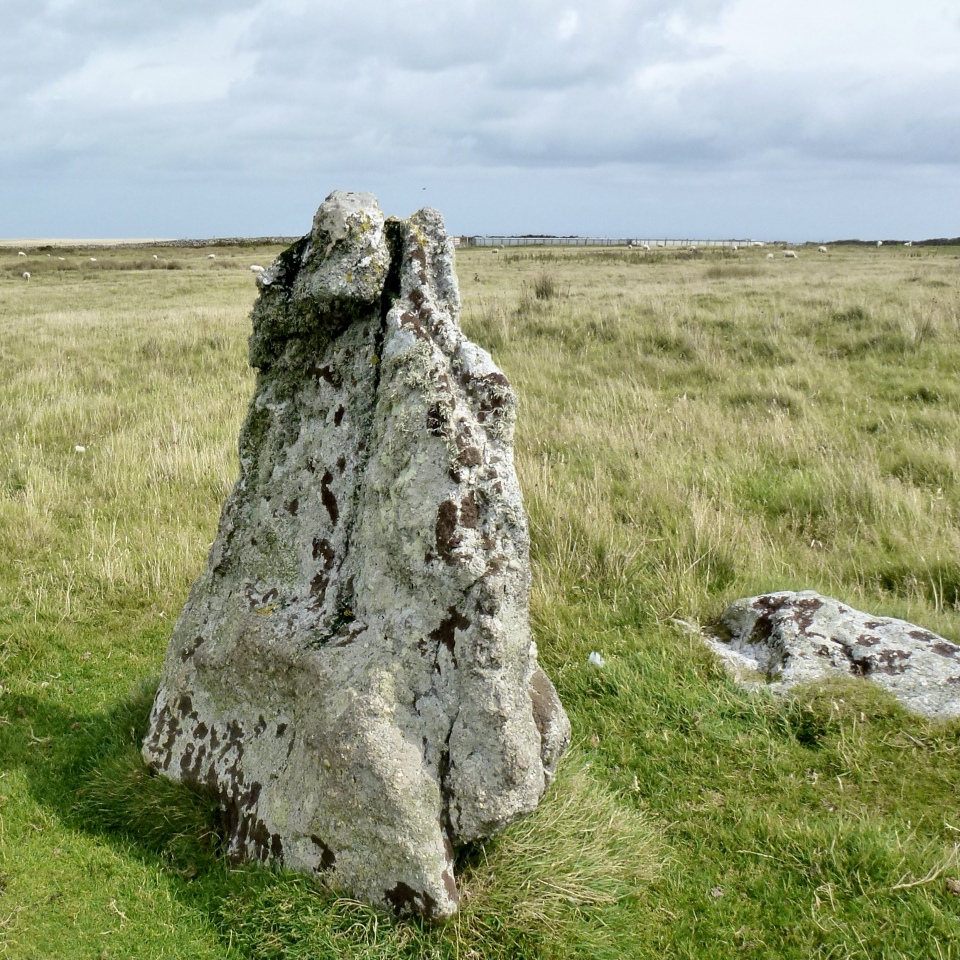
199 63
295 90
569 25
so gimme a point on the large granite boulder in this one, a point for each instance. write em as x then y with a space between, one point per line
353 674
786 639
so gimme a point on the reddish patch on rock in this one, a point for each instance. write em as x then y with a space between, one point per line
326 495
446 530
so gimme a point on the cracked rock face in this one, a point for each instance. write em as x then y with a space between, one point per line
353 674
792 638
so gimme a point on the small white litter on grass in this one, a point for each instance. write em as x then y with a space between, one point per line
79 449
596 659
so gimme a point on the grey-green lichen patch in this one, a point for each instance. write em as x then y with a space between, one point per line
327 280
353 674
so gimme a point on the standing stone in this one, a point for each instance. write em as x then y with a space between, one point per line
353 674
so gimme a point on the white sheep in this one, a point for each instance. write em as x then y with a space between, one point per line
495 250
734 248
93 259
821 249
909 243
645 246
879 243
26 275
790 254
769 256
21 254
211 256
256 268
155 257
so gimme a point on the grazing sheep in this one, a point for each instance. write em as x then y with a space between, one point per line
734 248
909 243
256 268
790 254
21 254
645 246
93 259
155 257
26 275
821 249
211 256
879 243
64 259
495 250
769 256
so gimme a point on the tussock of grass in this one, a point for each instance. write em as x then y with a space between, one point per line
561 883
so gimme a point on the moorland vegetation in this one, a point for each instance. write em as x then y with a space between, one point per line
694 427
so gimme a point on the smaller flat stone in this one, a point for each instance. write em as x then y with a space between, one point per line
788 638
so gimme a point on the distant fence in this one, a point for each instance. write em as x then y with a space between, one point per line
595 242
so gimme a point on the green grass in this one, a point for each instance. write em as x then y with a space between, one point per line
693 428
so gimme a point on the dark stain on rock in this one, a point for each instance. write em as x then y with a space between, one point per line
341 464
945 649
184 706
418 255
318 585
469 511
260 726
769 606
293 506
405 900
490 392
276 846
281 729
410 321
446 530
892 661
469 456
446 632
868 640
922 635
805 610
200 731
327 858
338 416
329 500
322 548
327 373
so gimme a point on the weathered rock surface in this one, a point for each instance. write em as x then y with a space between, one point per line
791 638
353 674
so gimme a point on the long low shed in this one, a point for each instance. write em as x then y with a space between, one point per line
593 242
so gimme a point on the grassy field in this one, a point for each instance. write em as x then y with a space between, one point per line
694 427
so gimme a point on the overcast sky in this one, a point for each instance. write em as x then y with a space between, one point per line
792 119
